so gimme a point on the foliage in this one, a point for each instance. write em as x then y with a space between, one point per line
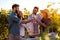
3 25
4 21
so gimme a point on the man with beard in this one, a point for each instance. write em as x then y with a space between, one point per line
14 23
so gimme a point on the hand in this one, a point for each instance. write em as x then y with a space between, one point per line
43 24
37 20
34 20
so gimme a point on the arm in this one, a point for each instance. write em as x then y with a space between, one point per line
25 21
16 19
42 24
39 21
29 17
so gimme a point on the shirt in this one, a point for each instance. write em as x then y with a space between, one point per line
14 24
35 24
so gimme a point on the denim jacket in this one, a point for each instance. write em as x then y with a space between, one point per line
14 24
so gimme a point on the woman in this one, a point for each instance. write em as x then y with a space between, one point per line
23 24
22 28
45 19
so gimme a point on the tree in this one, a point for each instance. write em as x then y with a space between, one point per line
3 24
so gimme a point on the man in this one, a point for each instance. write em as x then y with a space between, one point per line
14 23
35 22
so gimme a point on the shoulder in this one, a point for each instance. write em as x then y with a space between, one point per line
30 15
38 15
11 14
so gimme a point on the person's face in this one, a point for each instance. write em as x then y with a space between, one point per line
16 9
21 14
42 13
35 10
45 15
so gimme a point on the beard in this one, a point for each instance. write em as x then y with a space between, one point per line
16 11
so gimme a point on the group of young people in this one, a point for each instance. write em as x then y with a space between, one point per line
33 23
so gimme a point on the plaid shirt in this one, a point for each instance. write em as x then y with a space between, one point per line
35 24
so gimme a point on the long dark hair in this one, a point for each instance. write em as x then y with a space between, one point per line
18 14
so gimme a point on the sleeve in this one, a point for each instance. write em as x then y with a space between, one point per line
29 17
40 17
16 19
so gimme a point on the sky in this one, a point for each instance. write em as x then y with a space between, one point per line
29 4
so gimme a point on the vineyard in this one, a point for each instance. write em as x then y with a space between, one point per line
4 22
